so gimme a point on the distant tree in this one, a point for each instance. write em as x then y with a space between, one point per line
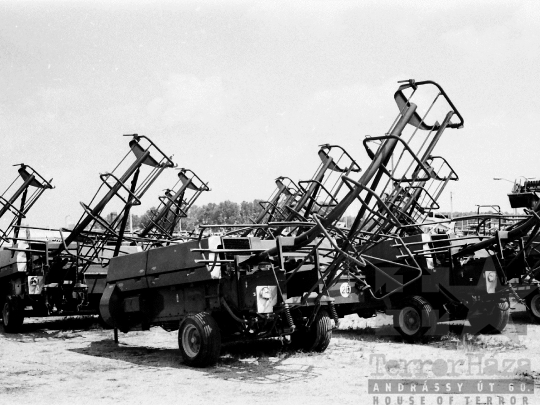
249 211
191 221
228 212
208 214
225 212
145 218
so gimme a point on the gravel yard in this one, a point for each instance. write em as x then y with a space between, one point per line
75 361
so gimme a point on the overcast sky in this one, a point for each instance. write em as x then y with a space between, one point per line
244 92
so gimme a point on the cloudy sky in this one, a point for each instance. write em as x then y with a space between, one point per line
243 92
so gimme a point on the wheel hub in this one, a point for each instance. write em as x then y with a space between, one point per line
191 340
409 320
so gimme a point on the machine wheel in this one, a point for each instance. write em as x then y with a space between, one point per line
199 340
415 319
317 337
12 315
491 320
533 305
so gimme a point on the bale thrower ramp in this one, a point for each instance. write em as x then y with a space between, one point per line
27 187
294 203
174 205
96 237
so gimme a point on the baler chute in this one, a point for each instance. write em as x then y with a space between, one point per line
174 205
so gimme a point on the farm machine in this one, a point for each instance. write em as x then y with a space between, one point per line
387 262
66 276
518 239
16 275
218 288
295 269
524 260
159 230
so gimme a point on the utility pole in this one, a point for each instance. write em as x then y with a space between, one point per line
451 205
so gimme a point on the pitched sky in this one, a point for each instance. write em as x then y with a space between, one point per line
243 92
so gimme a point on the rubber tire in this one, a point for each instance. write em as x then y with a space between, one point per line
199 340
12 315
492 320
317 337
415 319
533 305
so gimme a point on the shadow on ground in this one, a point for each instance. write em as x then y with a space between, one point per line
53 327
264 362
138 355
452 335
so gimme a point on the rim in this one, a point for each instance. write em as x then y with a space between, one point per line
535 305
191 340
409 320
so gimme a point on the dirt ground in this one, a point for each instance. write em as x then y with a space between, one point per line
75 361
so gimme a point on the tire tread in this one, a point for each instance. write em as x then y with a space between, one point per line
210 340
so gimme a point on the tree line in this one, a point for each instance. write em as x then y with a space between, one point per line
225 212
229 212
